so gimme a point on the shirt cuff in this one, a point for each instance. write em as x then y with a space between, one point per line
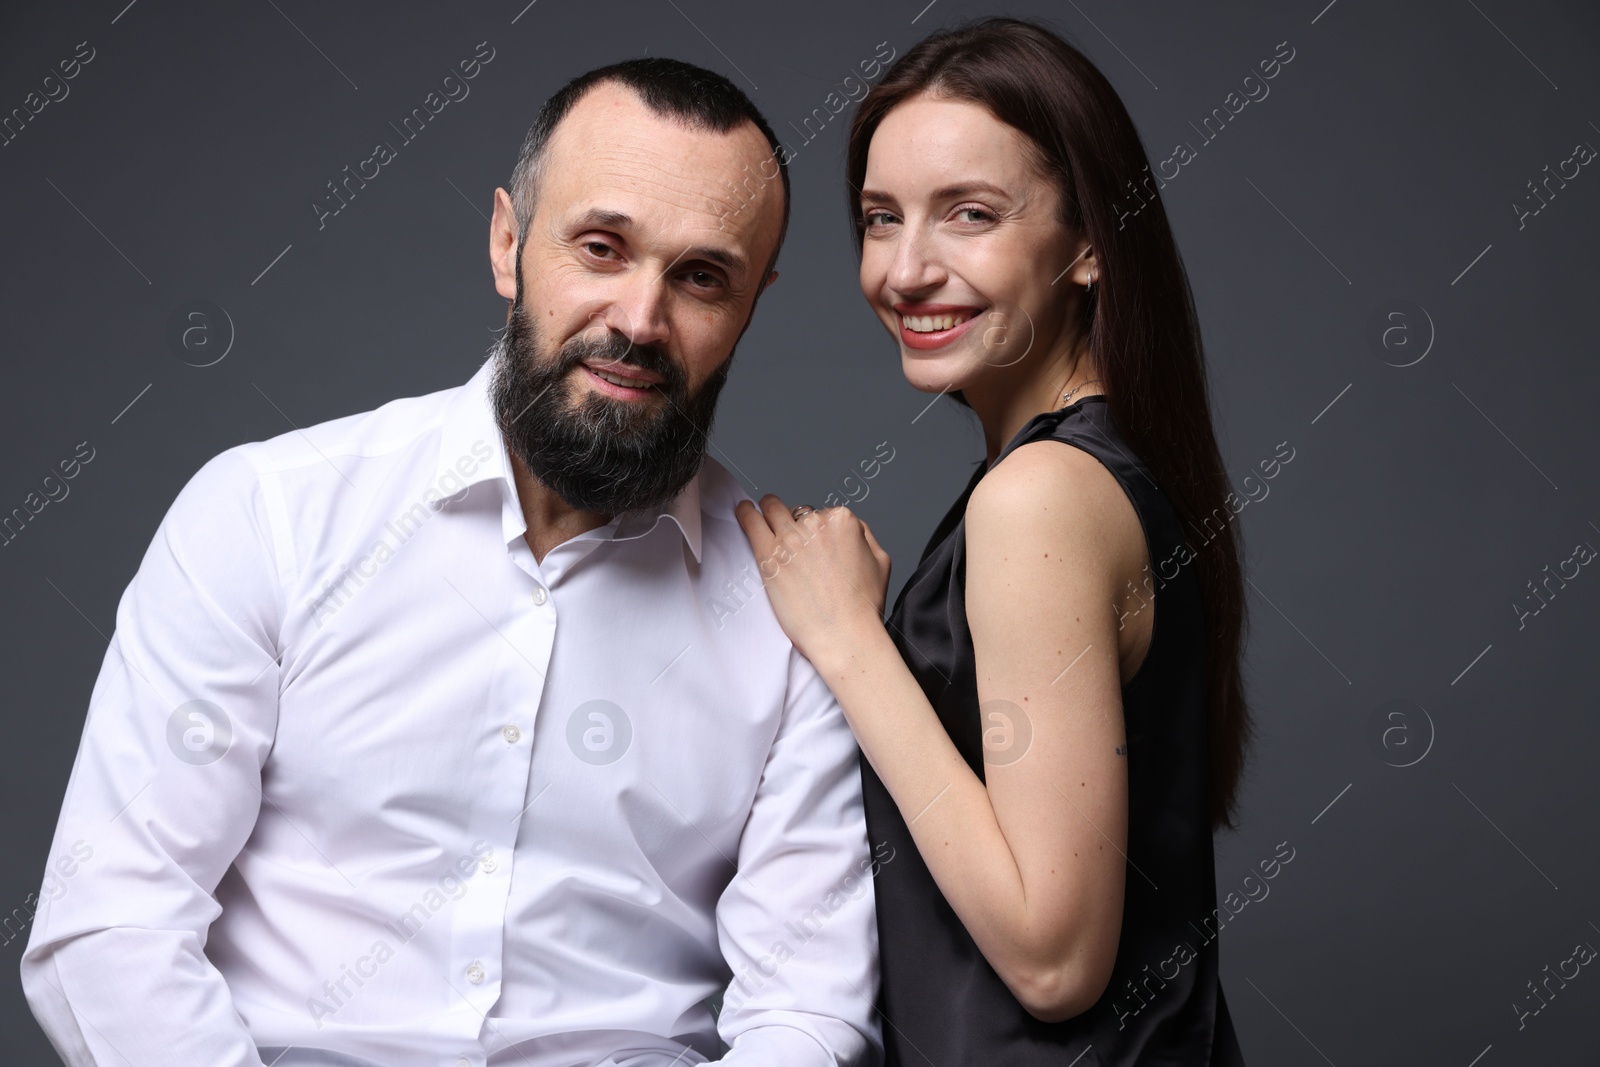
781 1046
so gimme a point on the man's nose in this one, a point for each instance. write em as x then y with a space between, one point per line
638 310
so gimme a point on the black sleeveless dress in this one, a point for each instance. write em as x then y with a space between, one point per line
942 1004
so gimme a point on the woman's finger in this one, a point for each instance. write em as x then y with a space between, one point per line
777 513
877 549
756 527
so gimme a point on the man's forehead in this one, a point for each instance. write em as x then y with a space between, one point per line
618 112
613 152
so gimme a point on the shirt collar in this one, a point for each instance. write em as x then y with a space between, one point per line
469 429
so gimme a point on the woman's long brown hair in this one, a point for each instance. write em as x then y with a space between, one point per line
1141 324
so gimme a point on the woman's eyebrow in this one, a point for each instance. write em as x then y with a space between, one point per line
967 189
948 192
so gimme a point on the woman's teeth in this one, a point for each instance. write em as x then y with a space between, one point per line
932 323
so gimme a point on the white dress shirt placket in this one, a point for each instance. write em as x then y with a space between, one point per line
527 619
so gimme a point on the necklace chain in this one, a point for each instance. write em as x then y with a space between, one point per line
1066 397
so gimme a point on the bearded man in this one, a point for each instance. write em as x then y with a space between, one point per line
426 736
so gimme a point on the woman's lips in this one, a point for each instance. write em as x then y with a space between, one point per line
935 338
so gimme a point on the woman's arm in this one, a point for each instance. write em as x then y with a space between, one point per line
1033 862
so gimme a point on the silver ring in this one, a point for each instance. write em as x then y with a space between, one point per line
800 510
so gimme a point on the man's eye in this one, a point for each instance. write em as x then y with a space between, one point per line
703 279
598 248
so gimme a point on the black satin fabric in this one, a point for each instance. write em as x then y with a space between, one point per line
941 1002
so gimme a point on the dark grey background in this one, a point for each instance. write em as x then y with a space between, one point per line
1384 564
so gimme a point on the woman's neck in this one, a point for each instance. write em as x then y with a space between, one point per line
1004 402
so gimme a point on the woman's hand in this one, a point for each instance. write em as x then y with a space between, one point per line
826 575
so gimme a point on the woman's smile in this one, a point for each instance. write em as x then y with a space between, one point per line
928 326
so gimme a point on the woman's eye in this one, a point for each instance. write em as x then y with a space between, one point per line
877 218
975 214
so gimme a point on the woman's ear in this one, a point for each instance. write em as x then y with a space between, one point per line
1086 269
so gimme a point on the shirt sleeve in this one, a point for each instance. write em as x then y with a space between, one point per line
164 792
798 923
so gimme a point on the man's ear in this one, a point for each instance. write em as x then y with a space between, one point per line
770 279
503 245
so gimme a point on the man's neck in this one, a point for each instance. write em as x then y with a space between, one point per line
550 519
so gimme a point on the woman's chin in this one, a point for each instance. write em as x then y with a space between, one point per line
933 376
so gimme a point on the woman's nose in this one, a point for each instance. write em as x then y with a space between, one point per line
915 267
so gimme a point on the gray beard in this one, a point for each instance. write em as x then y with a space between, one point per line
601 455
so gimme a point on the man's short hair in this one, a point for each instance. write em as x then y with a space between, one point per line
700 98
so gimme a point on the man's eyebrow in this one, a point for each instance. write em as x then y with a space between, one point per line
602 218
721 256
608 219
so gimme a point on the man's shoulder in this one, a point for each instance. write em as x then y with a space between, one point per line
325 474
380 431
720 490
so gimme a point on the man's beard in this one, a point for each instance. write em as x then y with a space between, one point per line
602 455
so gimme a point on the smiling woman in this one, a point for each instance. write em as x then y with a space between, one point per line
1048 749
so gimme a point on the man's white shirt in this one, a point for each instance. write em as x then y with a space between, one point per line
360 775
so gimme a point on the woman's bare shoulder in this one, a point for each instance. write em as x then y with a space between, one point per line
1054 489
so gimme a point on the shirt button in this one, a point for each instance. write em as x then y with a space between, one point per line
511 734
539 595
488 865
475 973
